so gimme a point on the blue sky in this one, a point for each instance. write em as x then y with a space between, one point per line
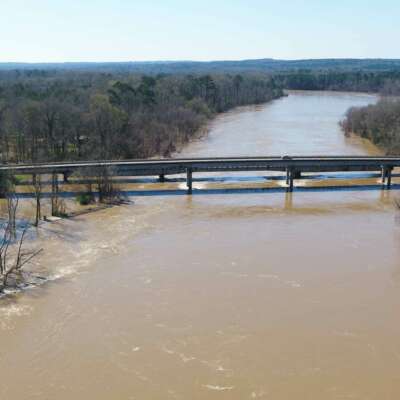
125 30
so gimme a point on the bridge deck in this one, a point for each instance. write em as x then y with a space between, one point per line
293 166
153 166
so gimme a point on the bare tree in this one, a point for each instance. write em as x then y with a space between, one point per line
37 189
105 185
11 262
57 204
12 205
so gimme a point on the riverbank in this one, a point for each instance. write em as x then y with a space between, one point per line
71 243
378 123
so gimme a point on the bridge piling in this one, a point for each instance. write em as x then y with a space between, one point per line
289 179
384 175
291 182
389 178
189 180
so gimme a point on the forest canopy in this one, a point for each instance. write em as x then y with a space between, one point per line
104 111
379 123
52 116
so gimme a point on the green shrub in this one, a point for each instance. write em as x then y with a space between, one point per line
84 199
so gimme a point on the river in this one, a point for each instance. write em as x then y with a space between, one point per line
225 294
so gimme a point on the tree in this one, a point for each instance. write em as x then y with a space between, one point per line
108 123
12 262
37 190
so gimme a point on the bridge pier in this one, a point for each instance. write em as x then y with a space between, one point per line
387 177
189 180
291 175
289 179
383 175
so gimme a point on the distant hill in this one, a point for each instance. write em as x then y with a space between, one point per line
184 67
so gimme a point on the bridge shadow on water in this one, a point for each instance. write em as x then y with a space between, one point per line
237 191
268 190
227 179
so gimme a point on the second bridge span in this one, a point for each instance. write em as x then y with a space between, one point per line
293 166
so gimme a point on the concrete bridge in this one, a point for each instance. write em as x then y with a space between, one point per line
294 166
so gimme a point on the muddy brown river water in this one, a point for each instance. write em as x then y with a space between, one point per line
225 294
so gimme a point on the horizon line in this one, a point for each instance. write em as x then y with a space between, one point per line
171 61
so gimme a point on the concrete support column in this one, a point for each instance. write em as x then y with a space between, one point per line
291 182
389 177
384 175
289 179
189 180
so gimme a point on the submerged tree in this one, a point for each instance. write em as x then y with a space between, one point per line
106 187
12 255
37 190
57 203
98 180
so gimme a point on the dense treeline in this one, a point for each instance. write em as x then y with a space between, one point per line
379 123
266 65
77 115
67 114
385 82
